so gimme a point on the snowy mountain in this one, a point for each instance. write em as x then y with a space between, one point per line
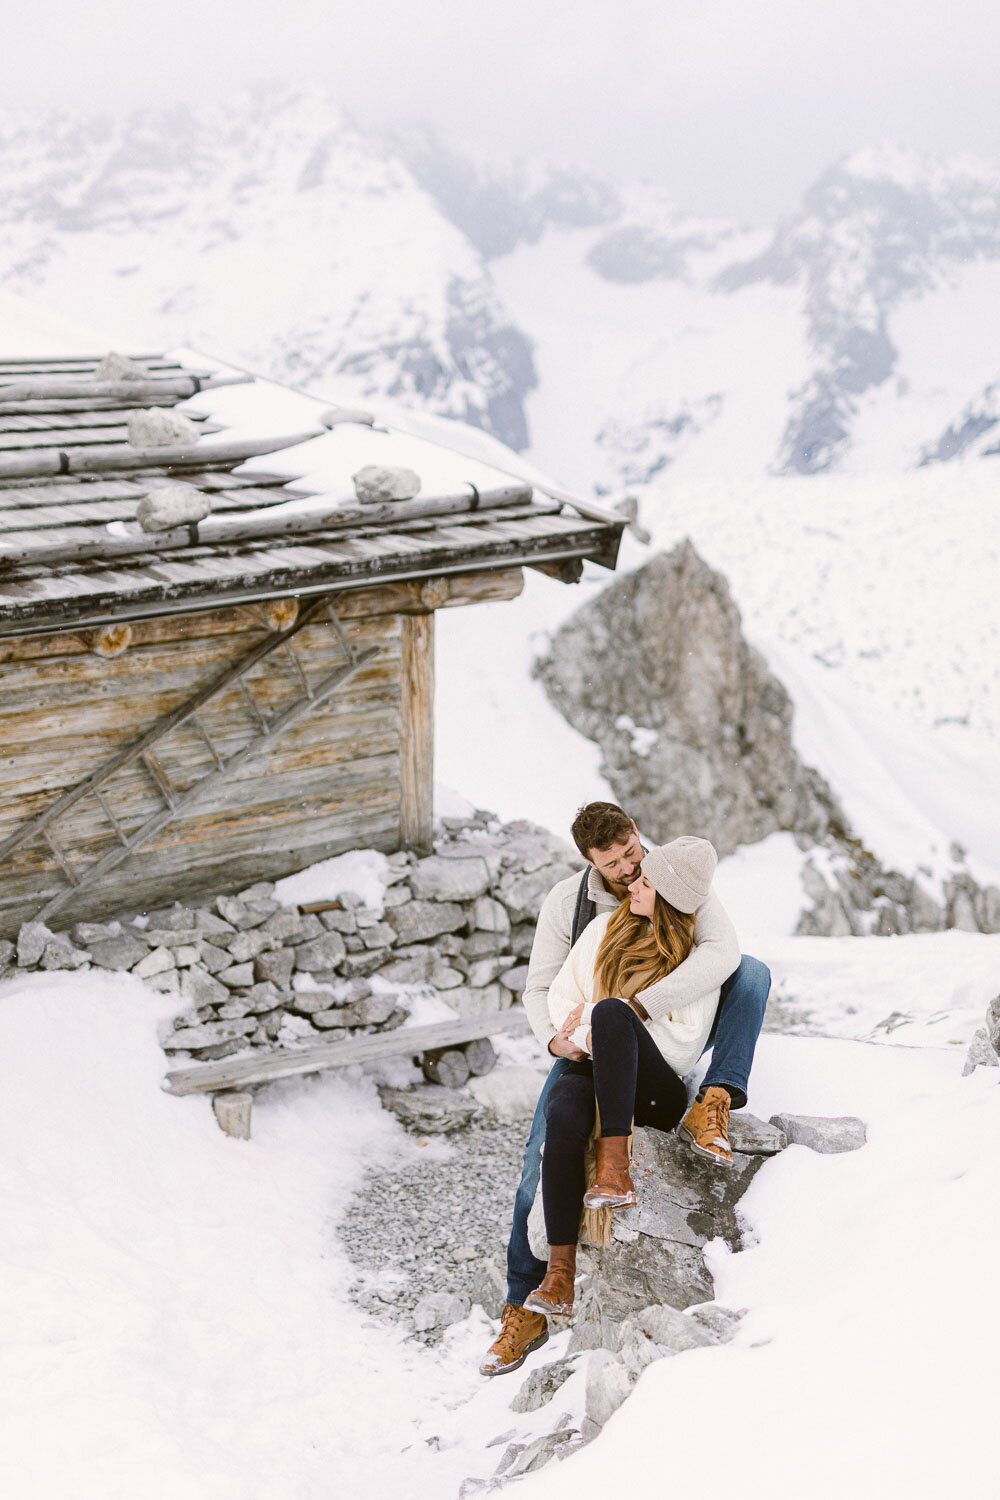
268 230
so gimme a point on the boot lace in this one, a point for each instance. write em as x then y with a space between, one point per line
717 1116
511 1320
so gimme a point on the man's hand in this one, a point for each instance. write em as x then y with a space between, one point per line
561 1045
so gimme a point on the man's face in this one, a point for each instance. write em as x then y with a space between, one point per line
619 865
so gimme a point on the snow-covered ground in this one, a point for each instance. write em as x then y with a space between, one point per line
176 1323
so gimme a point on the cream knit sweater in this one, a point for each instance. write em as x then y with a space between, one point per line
680 1034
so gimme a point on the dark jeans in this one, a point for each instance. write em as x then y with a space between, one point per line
628 1079
732 1039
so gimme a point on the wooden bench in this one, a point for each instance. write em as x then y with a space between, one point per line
228 1081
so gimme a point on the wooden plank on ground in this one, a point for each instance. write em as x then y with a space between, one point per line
208 1078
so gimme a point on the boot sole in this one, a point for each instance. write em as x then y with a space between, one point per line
516 1364
534 1303
689 1140
608 1200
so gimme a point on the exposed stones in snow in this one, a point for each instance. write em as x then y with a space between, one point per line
829 1135
157 427
170 505
696 732
377 482
984 1049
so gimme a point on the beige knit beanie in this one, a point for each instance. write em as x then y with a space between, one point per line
682 871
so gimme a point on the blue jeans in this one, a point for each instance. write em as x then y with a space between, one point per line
732 1039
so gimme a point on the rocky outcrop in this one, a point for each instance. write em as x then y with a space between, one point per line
984 1050
695 734
694 730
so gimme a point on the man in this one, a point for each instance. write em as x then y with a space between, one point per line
608 840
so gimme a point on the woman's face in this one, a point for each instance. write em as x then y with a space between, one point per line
642 897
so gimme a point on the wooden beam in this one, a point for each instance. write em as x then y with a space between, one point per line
416 733
238 1072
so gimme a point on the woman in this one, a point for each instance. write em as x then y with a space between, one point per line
635 1067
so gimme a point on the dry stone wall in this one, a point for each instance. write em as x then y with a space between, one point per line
250 973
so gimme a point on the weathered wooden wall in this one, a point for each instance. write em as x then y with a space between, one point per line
330 783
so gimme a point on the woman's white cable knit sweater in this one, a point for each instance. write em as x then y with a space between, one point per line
680 1034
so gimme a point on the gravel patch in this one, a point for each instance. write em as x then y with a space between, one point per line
428 1226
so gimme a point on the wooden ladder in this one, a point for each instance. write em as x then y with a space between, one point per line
149 748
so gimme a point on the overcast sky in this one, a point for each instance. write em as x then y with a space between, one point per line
733 106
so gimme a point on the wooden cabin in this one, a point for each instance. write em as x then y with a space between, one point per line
191 709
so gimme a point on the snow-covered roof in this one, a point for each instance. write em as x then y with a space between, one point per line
273 468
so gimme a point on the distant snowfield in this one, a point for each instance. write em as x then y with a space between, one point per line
176 1326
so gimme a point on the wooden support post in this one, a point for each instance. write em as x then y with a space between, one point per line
233 1114
448 1068
480 1056
416 733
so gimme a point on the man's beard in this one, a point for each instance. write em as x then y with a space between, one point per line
619 888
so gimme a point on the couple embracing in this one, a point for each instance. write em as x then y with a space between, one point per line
635 971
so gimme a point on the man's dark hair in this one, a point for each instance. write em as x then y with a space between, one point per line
598 825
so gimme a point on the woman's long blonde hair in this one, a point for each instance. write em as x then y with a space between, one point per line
635 952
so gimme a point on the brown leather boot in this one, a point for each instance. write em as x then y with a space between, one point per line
705 1127
555 1295
612 1186
520 1333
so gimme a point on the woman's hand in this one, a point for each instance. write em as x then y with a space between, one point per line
561 1044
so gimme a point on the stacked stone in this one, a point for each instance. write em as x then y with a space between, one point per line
460 921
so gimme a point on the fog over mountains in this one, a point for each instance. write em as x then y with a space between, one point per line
269 230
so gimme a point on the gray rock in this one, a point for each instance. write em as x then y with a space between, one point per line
312 927
658 1331
220 1050
489 1286
261 890
531 1457
376 482
156 961
442 977
207 921
167 983
32 940
521 939
170 937
330 1021
169 505
324 952
440 1310
214 958
312 1002
490 916
430 1109
485 970
276 965
371 1011
284 925
232 1010
85 934
200 987
993 1022
379 935
720 1321
361 965
61 954
397 895
247 945
339 921
542 1384
453 877
981 1053
415 970
194 1038
523 895
472 1003
753 1137
515 979
239 976
8 954
264 996
236 912
827 1134
419 920
176 918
